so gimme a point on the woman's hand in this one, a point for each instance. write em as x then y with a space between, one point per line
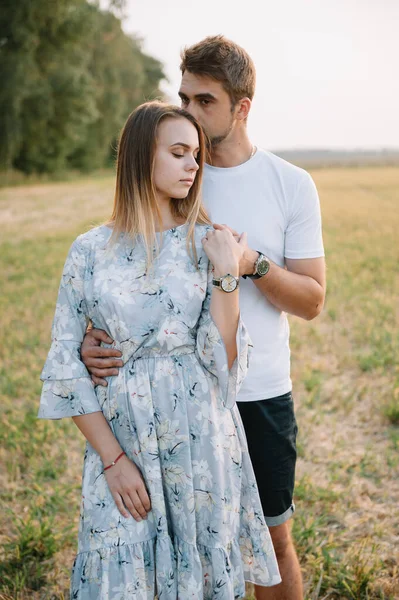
224 250
128 489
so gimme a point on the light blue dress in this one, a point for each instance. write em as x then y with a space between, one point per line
172 408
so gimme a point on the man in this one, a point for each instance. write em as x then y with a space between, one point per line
283 271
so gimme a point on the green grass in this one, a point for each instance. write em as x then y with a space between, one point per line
344 368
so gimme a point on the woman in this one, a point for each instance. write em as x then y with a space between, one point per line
165 441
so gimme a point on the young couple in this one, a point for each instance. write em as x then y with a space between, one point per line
170 503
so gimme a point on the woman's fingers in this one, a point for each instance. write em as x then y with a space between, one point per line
120 505
128 489
138 505
128 502
224 226
144 496
243 239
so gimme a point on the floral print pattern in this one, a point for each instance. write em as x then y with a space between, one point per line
172 408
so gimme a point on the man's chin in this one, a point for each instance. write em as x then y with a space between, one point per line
215 141
218 139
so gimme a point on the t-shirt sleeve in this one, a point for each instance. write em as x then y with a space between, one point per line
303 235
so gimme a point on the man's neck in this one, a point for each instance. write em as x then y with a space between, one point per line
233 151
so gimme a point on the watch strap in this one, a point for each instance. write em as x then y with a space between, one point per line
255 275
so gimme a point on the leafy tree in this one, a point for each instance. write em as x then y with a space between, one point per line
70 76
124 77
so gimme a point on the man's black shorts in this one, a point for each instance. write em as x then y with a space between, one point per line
271 430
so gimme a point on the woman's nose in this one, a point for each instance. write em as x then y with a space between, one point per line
192 165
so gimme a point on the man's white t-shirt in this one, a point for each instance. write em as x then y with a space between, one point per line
277 204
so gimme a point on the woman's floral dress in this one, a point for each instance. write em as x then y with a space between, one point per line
172 409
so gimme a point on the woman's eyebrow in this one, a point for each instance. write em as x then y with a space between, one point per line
184 146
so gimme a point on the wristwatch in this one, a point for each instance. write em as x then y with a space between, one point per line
227 283
261 268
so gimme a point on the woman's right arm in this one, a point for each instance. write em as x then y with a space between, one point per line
124 478
69 392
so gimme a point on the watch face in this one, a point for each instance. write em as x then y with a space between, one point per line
228 283
263 266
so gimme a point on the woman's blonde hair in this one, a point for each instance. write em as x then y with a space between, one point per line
135 211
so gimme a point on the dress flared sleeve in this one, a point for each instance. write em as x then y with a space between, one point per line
212 353
67 389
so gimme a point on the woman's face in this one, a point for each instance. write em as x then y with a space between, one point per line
175 164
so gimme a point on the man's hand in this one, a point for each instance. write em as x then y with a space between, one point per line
249 256
100 362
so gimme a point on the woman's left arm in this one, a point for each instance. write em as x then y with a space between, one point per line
225 312
225 253
223 344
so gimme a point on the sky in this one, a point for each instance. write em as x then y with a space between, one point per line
327 70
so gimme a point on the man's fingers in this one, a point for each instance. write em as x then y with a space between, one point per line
99 381
104 372
104 363
100 335
100 352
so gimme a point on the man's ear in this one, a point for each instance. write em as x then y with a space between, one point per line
242 108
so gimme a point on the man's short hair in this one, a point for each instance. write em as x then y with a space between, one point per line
222 60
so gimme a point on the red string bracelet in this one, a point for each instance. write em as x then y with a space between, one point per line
114 461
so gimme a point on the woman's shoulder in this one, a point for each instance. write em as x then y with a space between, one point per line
202 228
97 237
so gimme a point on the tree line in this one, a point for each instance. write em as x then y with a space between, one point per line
69 78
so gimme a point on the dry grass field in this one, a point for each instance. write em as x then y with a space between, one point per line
346 388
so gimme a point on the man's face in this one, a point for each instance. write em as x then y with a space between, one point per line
209 103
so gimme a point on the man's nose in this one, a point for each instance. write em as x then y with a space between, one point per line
191 108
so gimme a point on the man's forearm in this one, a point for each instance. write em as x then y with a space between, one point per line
298 295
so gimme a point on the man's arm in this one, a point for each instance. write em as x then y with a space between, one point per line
298 290
100 362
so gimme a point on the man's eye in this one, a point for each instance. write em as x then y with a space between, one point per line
204 102
184 101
